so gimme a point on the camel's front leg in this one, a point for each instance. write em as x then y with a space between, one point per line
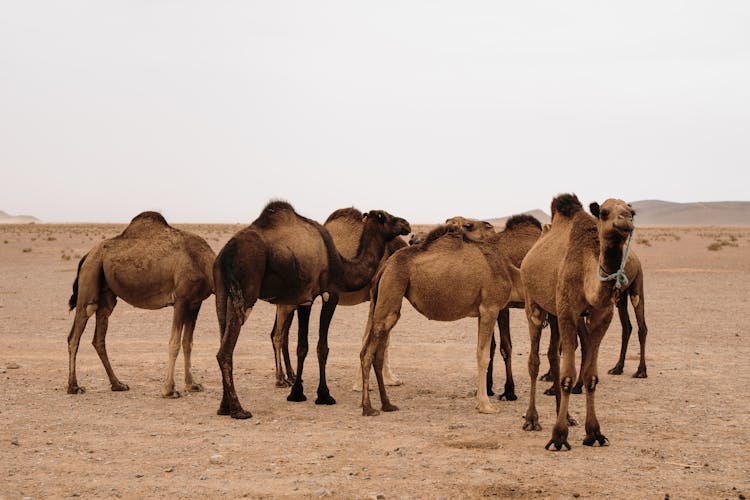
187 348
487 317
569 340
598 328
326 315
297 394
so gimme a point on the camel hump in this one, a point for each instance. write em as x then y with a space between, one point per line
350 213
149 216
274 212
440 231
566 205
522 220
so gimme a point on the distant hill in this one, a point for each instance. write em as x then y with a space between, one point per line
667 213
6 218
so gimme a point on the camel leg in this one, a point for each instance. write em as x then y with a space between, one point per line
583 335
490 367
385 318
569 339
326 314
598 328
531 419
74 340
627 328
378 363
358 382
280 340
553 352
187 347
389 377
303 319
486 325
506 351
640 316
175 338
107 301
230 403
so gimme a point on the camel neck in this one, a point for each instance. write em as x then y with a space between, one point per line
358 272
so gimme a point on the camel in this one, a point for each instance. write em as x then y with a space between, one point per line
634 272
426 275
345 226
287 259
150 265
574 274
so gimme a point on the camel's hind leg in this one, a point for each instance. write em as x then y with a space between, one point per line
191 316
74 340
486 325
506 351
389 378
378 365
107 302
535 316
280 340
640 317
297 393
326 315
175 337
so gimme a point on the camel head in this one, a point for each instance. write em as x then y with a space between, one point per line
391 226
417 238
475 230
614 218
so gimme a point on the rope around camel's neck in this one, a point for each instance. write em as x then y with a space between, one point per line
619 276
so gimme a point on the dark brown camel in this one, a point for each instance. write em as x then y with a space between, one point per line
574 273
426 275
345 226
284 258
150 265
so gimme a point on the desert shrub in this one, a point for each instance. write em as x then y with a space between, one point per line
51 238
26 250
643 241
715 246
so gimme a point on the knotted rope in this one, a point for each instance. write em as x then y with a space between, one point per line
619 277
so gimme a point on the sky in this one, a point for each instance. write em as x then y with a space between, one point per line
205 111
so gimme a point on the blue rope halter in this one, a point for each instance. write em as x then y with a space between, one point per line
619 277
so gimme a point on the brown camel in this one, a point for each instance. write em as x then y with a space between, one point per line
520 234
574 272
345 226
150 265
426 275
634 272
284 258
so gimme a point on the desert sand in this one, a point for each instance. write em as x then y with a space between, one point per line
680 432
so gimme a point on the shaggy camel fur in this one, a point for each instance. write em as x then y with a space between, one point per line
345 227
284 258
562 276
150 265
425 274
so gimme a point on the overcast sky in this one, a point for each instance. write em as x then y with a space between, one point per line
205 111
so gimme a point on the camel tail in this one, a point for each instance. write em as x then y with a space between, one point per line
73 301
231 284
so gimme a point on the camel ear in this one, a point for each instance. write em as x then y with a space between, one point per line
487 225
594 207
381 217
365 216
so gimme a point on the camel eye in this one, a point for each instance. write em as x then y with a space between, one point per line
603 214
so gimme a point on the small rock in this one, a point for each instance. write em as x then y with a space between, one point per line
328 456
203 477
13 366
14 442
458 425
576 495
139 475
216 459
169 469
322 493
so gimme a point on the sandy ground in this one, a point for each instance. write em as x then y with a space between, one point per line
681 432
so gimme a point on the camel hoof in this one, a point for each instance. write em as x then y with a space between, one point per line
558 445
395 381
370 412
296 396
389 407
223 410
598 438
490 392
510 396
486 408
325 399
76 389
547 377
119 386
550 391
240 414
617 370
194 388
640 374
171 395
532 426
283 383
